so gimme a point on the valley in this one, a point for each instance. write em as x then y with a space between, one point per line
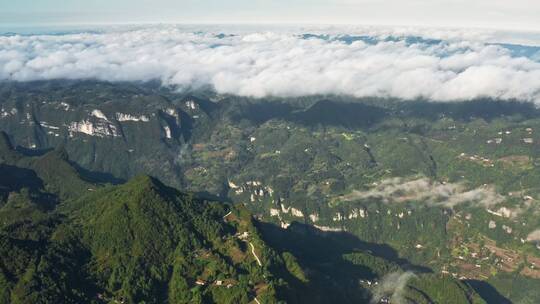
447 192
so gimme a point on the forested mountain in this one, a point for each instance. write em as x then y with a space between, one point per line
64 239
343 193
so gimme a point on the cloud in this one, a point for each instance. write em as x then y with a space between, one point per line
375 62
392 286
398 190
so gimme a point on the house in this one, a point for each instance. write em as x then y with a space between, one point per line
243 235
200 282
384 300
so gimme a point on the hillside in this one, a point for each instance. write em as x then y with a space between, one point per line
452 187
140 241
145 242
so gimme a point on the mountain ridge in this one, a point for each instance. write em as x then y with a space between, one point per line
144 241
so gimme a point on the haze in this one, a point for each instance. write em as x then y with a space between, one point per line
500 14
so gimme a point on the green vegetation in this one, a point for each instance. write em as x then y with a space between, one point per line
144 242
310 160
138 242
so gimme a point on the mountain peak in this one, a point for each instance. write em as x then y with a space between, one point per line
146 182
61 152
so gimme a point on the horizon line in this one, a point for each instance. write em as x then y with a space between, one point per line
45 25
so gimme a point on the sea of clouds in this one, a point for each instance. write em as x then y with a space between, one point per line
439 65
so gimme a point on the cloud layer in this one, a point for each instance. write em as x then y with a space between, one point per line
283 63
399 190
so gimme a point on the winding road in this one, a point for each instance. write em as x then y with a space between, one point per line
254 254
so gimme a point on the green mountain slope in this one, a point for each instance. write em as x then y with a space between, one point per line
152 242
144 242
139 242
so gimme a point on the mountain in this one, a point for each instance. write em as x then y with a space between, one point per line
450 187
142 241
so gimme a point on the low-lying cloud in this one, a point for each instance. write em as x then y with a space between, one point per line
284 64
392 287
399 190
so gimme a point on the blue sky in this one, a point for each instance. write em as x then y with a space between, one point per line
502 14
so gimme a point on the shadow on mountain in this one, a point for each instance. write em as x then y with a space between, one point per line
488 292
28 179
260 112
363 115
205 195
15 178
468 110
332 279
329 260
186 128
349 115
322 113
310 242
95 176
33 152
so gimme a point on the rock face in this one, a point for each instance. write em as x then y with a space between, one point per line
119 132
93 129
128 117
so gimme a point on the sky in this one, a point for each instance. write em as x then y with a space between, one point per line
438 50
500 14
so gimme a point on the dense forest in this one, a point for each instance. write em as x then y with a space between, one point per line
65 238
437 194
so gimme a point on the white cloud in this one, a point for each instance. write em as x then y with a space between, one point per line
398 190
281 63
393 287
